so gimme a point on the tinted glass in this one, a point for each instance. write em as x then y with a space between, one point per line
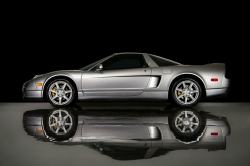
163 62
93 64
125 61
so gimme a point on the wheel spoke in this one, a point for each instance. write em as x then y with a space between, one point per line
64 86
57 86
190 86
195 124
54 124
178 89
68 124
185 114
60 113
183 85
52 91
64 130
179 96
66 98
192 97
186 100
184 128
54 117
54 97
57 130
191 118
66 116
191 129
194 91
68 91
60 100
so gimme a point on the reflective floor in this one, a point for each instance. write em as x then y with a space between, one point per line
111 133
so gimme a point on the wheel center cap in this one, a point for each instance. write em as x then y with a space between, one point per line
60 122
186 122
60 92
186 92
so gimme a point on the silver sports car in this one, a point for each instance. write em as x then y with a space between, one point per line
130 76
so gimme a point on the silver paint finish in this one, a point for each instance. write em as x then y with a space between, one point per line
215 92
167 70
113 93
134 83
115 132
33 94
116 79
225 82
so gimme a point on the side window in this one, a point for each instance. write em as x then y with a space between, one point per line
162 62
124 61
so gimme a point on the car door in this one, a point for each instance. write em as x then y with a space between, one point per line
122 75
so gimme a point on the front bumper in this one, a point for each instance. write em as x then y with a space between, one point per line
29 95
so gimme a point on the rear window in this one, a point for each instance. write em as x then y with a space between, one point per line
162 61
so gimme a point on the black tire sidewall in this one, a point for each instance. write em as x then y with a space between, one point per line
175 101
72 100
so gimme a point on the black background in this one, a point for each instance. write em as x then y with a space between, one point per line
39 42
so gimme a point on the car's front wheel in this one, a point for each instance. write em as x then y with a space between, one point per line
60 92
60 123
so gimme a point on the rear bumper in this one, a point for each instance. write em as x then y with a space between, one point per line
217 92
220 92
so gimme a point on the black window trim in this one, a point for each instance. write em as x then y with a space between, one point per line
117 54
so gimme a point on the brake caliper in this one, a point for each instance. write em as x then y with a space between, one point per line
53 121
53 94
179 93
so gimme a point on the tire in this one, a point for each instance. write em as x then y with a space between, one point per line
64 91
187 125
60 128
186 96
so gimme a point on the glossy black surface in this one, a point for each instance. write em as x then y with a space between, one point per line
35 150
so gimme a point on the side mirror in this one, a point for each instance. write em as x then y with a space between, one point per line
99 68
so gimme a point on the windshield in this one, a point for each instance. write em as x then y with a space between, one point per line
93 64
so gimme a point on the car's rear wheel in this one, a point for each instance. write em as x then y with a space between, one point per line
186 92
60 92
187 124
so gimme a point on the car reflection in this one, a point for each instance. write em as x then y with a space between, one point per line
129 134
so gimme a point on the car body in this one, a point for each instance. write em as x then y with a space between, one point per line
107 129
131 76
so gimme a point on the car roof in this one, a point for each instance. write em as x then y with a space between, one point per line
130 53
148 54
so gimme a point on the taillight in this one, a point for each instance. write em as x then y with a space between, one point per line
214 79
214 133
